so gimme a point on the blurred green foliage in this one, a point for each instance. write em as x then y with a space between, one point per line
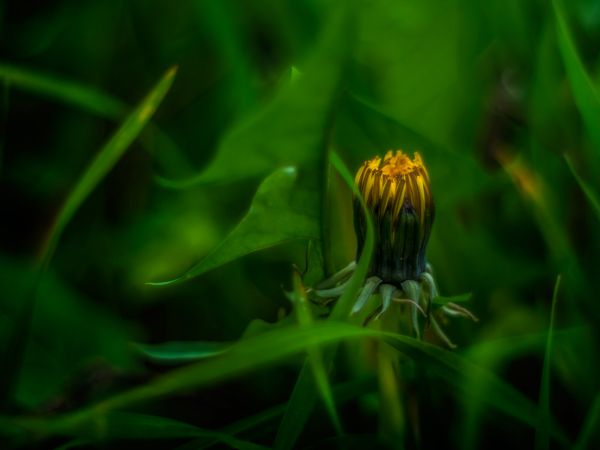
167 167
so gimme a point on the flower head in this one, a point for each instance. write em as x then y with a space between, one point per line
396 190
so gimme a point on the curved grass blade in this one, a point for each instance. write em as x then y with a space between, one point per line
4 106
342 393
96 102
303 398
181 352
129 426
315 355
69 92
461 298
587 190
284 208
491 355
584 92
265 349
109 154
590 426
458 372
542 435
344 304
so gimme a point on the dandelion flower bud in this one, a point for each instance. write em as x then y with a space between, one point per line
397 192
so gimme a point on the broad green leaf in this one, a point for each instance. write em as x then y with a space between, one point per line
542 435
181 352
584 92
285 207
292 128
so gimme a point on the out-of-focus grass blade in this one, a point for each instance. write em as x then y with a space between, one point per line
4 105
285 207
584 92
315 355
69 92
344 304
342 393
181 352
300 406
72 444
303 396
248 354
268 348
461 298
108 156
542 435
89 99
587 190
218 19
104 161
492 355
130 426
590 426
453 369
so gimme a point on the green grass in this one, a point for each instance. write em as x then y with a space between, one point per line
158 258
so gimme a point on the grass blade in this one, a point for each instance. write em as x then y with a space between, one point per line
542 435
315 355
590 426
65 91
303 396
104 161
587 190
118 425
268 348
180 352
344 304
108 156
585 94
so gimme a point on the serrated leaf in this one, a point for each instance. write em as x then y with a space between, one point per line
285 207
